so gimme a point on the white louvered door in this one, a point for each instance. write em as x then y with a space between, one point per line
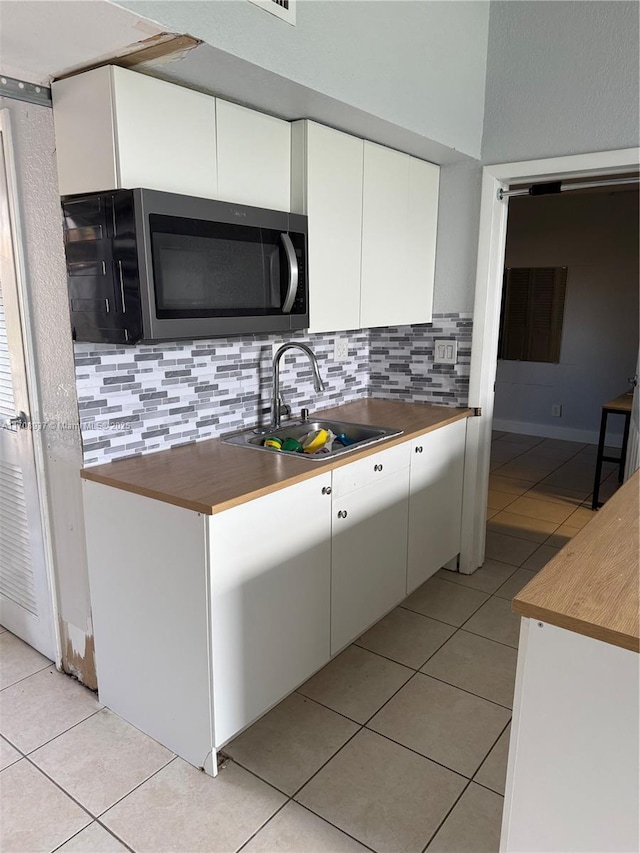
26 604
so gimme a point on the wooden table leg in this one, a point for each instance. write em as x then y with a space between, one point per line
625 441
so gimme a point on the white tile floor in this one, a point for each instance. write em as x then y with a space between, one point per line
399 744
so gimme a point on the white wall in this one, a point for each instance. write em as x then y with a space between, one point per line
420 65
595 235
562 78
39 200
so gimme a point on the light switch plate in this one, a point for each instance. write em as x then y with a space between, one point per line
445 352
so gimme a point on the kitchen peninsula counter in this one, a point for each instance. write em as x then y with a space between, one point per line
591 586
211 476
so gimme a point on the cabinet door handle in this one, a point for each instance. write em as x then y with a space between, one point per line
342 513
377 467
326 490
419 449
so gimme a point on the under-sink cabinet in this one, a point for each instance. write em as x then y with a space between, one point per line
370 510
204 622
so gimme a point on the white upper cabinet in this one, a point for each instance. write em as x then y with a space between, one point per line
254 157
326 185
116 129
399 219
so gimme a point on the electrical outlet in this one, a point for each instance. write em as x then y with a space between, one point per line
556 410
445 352
341 348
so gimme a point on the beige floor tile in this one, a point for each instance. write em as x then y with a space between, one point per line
506 450
181 808
291 742
499 500
557 494
509 485
93 839
516 582
508 549
356 683
38 708
100 760
478 665
2 629
517 471
384 795
36 815
493 773
496 621
580 517
509 523
406 637
540 558
445 601
8 755
487 578
573 480
545 510
561 536
473 826
563 444
522 439
18 660
491 512
295 829
442 722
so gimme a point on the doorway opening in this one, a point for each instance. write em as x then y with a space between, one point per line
497 181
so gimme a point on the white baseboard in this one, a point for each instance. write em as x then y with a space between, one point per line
586 436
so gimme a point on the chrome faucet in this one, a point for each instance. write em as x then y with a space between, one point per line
318 384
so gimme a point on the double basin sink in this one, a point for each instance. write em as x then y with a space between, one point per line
357 436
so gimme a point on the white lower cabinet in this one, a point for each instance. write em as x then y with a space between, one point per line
270 600
204 622
435 507
368 541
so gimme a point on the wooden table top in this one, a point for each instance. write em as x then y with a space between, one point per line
591 586
210 476
621 403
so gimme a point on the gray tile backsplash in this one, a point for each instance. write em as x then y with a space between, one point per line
141 399
401 362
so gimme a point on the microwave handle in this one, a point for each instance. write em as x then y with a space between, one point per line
292 289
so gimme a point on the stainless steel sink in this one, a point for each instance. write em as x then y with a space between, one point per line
360 435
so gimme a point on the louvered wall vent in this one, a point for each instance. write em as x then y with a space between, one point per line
284 9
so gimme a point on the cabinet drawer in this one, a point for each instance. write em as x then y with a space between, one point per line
369 470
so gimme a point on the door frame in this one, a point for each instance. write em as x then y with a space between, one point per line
33 388
486 318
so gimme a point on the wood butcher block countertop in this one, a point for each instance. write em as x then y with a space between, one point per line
210 476
591 586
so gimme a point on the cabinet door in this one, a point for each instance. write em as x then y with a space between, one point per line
417 287
165 135
385 219
327 187
369 556
254 157
117 129
435 502
270 593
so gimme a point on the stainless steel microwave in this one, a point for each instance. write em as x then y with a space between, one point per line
144 265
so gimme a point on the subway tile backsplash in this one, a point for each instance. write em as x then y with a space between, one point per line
141 399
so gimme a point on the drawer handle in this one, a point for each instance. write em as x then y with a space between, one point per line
419 449
326 490
377 467
342 513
